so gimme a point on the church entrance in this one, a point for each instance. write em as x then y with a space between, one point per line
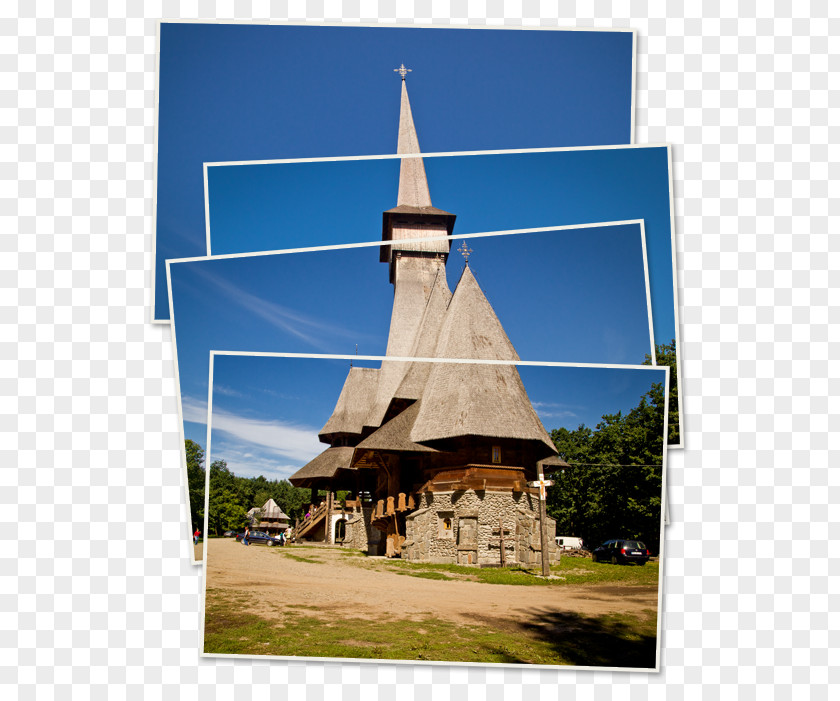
339 531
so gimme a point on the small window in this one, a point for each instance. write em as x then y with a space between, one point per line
497 454
445 524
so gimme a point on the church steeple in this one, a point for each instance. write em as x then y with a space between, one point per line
414 188
414 216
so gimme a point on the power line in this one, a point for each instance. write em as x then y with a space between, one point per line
611 464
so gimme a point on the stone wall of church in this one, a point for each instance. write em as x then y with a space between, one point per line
463 528
359 534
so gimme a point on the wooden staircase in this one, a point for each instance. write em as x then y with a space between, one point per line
309 524
308 527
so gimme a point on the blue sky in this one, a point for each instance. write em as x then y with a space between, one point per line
272 206
267 411
575 295
250 92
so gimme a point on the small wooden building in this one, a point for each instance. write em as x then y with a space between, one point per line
269 518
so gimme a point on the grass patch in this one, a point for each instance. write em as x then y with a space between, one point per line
573 571
425 575
579 570
299 558
328 548
231 627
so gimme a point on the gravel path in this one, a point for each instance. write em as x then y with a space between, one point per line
359 588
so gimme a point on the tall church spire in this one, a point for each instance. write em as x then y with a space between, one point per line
414 188
414 217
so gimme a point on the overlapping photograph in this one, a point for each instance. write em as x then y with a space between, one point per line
575 294
235 91
479 512
252 206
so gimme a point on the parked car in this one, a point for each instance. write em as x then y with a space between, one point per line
257 537
230 534
567 542
621 552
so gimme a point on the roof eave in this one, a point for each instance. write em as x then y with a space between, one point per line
446 219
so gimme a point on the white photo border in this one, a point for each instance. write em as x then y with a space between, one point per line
492 665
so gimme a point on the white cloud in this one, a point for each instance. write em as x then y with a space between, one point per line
554 410
227 391
194 410
277 315
244 462
295 443
549 405
557 414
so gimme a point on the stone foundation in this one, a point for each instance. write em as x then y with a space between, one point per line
463 528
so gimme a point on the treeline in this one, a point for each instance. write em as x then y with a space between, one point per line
231 497
666 354
613 487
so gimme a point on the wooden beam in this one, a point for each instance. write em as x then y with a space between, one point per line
328 515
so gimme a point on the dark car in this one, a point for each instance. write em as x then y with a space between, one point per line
257 537
621 552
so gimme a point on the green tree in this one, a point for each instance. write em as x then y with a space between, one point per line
261 497
226 509
195 482
226 513
613 486
231 497
666 354
293 500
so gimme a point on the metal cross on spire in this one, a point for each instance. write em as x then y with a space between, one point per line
464 251
402 70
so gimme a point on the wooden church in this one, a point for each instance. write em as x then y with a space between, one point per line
437 454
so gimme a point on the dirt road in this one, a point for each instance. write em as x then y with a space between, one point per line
363 588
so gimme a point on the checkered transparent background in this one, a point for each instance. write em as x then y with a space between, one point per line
98 597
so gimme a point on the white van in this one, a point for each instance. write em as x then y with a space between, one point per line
568 542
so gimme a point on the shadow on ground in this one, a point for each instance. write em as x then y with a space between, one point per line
596 641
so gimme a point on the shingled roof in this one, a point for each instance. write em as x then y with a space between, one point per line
475 399
354 403
425 343
471 399
411 209
395 435
414 188
390 376
271 510
420 281
471 328
324 466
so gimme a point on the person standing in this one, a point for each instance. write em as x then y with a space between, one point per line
196 536
245 537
